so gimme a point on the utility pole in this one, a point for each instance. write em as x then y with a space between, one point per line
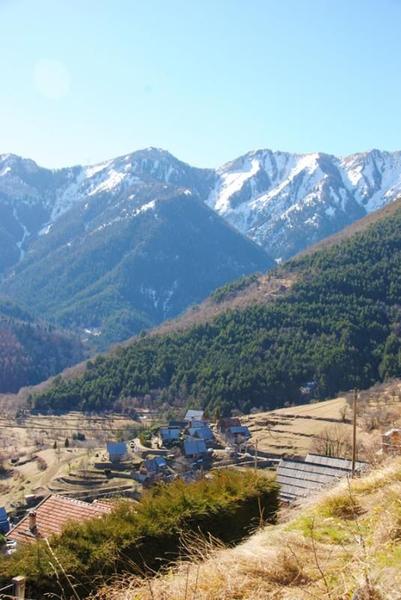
354 433
256 454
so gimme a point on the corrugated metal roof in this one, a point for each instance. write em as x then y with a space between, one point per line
53 514
333 461
299 478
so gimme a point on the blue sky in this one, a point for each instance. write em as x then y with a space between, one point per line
87 80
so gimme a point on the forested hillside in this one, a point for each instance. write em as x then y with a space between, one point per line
159 252
337 327
31 351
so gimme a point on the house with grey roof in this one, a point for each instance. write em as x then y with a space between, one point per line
194 448
237 434
169 436
225 422
203 433
155 464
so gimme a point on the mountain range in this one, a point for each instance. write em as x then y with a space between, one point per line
117 247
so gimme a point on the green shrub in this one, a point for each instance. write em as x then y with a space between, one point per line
147 534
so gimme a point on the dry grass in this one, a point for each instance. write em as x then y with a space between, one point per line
344 544
34 436
297 430
294 430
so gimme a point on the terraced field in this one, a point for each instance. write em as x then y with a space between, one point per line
294 430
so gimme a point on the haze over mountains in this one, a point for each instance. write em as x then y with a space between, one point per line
123 245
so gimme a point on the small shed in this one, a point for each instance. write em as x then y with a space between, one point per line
391 441
117 451
238 434
194 448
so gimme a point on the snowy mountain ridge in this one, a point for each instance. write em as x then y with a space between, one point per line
287 201
283 201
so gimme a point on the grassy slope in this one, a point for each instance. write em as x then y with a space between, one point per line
345 540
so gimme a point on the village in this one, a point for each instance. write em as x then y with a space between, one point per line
87 477
96 460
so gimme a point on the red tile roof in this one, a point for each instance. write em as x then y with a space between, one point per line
53 514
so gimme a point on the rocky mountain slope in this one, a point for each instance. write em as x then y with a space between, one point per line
75 243
283 201
286 202
33 199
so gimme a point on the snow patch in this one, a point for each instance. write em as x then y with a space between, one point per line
25 233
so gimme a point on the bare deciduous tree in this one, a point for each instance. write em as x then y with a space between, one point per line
333 441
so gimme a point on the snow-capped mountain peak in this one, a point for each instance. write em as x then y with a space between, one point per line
286 201
283 201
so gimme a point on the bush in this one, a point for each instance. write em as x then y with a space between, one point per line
228 506
42 464
145 437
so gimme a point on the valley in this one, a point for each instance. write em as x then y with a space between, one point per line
264 351
200 300
36 460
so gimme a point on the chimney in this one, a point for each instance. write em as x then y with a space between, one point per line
32 521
